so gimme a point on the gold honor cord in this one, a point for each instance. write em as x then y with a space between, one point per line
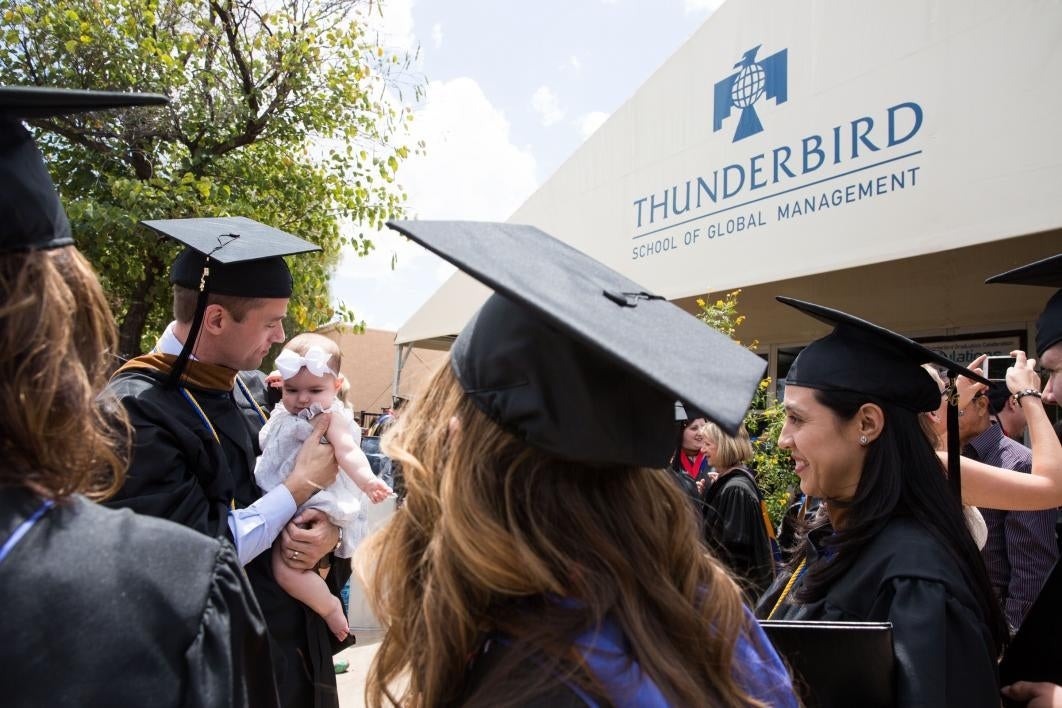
788 587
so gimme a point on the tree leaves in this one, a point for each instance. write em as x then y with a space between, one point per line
281 111
773 466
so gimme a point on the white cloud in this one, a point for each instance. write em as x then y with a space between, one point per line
436 35
573 62
590 122
708 6
471 170
546 105
392 20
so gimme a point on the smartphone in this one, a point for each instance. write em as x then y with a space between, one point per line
996 367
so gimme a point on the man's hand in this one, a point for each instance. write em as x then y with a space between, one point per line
315 467
307 538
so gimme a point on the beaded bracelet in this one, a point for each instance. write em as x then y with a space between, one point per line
1027 392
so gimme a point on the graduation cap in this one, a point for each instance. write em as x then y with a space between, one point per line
29 204
230 255
1047 273
684 414
862 357
577 359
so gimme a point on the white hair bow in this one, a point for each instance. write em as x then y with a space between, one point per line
316 362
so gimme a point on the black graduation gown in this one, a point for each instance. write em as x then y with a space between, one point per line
108 608
943 648
181 472
689 484
735 528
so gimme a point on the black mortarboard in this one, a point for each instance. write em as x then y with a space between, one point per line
230 255
575 358
686 413
862 357
30 210
1047 273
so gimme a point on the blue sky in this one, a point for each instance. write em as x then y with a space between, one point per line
513 89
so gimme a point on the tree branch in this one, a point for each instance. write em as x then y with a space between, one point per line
232 34
76 136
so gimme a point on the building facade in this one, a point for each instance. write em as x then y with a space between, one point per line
880 158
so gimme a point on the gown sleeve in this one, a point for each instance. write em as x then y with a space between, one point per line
741 533
228 662
942 658
161 479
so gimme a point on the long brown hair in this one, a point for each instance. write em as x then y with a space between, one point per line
494 533
55 330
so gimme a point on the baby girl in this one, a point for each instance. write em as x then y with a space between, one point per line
309 375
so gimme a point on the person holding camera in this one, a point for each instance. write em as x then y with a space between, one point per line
1021 549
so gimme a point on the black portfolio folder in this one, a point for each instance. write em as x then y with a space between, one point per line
837 663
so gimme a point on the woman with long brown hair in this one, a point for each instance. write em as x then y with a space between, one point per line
543 554
99 607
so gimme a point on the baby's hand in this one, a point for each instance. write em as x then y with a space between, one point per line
376 490
275 380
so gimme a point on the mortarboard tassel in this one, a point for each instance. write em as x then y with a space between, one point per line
954 451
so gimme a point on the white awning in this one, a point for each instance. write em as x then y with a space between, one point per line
438 321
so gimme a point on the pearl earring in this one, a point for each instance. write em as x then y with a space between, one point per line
864 440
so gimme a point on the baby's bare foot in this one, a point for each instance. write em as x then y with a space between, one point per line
337 621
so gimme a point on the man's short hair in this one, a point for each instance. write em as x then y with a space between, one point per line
997 393
184 301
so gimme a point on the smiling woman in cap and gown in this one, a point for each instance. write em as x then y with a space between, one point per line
99 607
897 548
543 555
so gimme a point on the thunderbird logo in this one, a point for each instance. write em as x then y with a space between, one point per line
753 80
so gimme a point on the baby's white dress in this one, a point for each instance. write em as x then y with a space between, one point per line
343 501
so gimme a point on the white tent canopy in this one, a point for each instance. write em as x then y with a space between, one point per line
439 319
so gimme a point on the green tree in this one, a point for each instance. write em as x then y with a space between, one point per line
285 111
774 466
